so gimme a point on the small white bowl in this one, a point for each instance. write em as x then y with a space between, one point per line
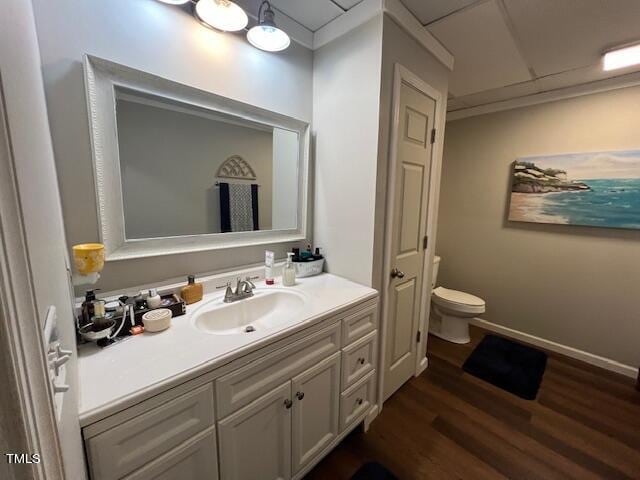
157 320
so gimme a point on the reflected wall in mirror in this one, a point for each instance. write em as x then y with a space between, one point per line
179 169
186 171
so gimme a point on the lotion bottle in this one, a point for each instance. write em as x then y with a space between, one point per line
153 300
289 273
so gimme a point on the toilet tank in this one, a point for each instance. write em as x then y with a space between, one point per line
436 267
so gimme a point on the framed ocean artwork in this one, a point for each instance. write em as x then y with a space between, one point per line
598 189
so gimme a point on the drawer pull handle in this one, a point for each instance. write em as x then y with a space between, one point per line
300 395
288 403
361 360
359 401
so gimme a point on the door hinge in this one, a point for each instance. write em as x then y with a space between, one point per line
418 336
425 242
433 135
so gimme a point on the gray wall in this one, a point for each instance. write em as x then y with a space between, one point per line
166 41
169 162
577 286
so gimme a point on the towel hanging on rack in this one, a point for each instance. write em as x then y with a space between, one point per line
238 207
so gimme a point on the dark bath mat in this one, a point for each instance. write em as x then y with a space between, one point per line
373 471
511 366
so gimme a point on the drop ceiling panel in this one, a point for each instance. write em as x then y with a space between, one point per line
499 94
485 52
591 73
313 14
431 10
347 4
559 35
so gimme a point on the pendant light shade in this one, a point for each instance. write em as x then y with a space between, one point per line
222 15
266 36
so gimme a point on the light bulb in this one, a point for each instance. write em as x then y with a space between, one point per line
268 38
175 2
222 15
622 57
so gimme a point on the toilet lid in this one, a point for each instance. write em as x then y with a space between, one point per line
454 296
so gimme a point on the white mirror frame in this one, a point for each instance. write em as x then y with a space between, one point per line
102 78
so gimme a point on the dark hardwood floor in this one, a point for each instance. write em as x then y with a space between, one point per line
446 424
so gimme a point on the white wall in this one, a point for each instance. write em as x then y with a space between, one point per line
39 197
346 100
577 286
169 161
285 180
166 41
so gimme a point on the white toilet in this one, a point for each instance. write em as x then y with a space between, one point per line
455 310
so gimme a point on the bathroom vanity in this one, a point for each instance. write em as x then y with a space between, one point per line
211 400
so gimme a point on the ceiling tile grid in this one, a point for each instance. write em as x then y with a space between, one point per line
312 14
486 56
427 11
561 35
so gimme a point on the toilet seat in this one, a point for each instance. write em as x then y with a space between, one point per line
458 301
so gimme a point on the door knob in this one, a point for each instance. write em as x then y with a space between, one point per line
395 273
300 395
288 403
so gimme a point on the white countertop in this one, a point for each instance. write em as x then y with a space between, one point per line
139 367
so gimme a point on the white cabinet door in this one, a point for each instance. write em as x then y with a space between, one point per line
196 459
316 400
255 442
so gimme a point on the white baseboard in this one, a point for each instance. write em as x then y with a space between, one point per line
586 357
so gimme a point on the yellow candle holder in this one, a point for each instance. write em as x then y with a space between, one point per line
88 259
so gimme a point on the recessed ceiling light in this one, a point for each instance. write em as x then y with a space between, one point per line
265 35
622 57
222 15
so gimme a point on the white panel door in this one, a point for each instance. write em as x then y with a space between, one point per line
409 220
316 404
255 442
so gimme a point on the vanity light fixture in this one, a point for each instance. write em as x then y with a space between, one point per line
266 36
222 15
622 57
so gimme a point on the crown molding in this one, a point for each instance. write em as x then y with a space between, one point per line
351 19
598 86
403 17
368 9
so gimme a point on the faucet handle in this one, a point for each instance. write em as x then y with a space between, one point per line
226 285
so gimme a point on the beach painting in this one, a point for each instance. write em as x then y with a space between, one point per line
599 189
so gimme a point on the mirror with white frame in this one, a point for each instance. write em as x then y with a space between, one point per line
179 169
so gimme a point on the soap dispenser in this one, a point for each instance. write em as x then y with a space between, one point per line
289 273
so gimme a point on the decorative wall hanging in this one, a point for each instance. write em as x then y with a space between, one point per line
236 167
599 189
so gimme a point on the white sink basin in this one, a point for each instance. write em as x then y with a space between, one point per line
268 308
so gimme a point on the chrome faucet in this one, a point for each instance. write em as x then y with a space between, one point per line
244 289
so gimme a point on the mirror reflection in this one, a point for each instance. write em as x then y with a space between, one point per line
190 171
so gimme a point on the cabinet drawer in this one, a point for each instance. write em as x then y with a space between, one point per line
193 460
359 324
356 401
244 385
132 444
358 359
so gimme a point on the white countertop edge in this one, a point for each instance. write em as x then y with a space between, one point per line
92 416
